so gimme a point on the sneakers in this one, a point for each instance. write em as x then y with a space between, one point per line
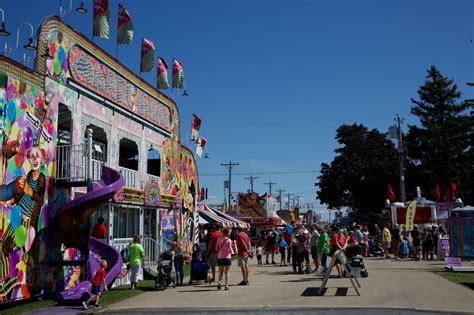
85 305
226 288
242 283
97 306
219 286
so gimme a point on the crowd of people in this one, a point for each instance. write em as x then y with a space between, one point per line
308 247
305 248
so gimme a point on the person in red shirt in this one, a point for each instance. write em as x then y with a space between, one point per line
99 231
212 251
99 278
243 253
338 242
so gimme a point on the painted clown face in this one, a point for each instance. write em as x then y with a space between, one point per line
36 158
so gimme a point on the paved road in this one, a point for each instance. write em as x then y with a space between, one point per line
391 286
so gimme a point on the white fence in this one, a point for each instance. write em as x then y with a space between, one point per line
130 177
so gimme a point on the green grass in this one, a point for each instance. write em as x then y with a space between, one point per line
115 295
463 278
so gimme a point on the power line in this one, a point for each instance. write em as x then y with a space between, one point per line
262 173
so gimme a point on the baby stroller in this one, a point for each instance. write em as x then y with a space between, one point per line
355 262
375 250
166 273
199 266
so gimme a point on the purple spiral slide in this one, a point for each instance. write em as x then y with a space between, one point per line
101 192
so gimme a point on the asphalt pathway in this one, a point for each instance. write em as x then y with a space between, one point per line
393 287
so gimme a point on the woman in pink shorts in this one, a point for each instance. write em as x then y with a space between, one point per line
224 257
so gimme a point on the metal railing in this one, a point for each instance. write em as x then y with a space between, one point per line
78 162
71 162
153 248
130 177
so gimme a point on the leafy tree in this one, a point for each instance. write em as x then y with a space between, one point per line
358 175
440 149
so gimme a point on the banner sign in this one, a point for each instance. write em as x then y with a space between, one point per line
410 217
445 247
167 225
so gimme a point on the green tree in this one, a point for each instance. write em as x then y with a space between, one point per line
358 175
440 148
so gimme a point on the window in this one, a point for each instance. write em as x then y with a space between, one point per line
153 162
126 222
128 154
99 143
64 125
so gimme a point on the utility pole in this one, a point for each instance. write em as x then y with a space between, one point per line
229 166
251 178
270 184
400 157
298 200
279 195
289 201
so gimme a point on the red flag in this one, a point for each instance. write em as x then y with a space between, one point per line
453 191
391 194
437 192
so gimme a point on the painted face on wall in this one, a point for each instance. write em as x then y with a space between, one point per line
36 158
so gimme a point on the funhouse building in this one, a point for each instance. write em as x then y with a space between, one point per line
82 136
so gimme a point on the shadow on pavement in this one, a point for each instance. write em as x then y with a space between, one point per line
202 290
315 292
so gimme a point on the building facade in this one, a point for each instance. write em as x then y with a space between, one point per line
76 111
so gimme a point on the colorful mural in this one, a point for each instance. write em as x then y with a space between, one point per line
59 47
72 274
28 133
252 205
152 193
170 166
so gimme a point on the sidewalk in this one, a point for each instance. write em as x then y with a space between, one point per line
391 284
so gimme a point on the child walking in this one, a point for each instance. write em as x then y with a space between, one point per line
259 253
98 279
282 248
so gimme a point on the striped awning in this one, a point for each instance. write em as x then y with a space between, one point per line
234 221
212 218
231 218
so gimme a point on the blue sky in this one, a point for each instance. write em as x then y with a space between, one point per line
272 80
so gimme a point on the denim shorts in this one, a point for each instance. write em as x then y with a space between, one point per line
95 289
224 261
